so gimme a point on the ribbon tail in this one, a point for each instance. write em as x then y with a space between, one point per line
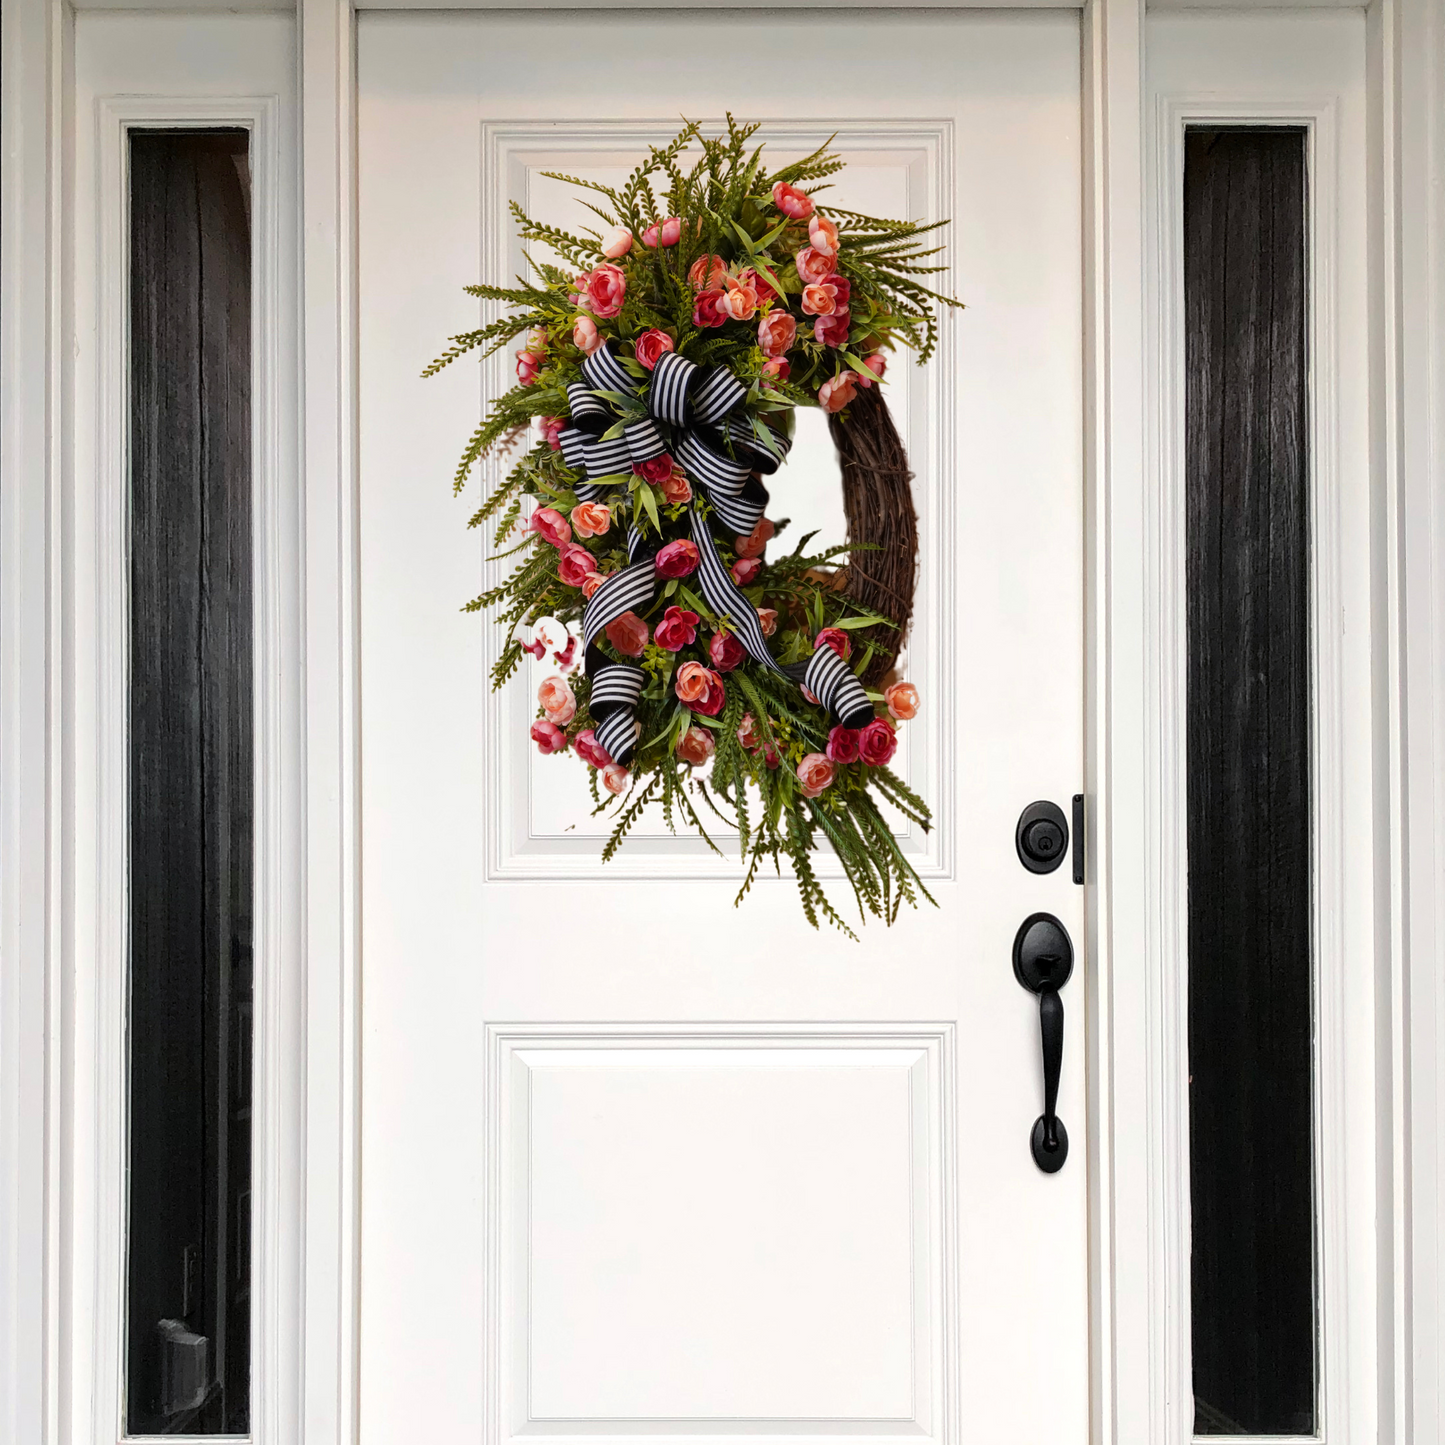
725 597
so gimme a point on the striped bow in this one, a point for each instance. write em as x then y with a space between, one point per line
695 415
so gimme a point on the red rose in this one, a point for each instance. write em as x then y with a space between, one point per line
651 345
677 559
725 651
843 745
709 309
677 629
835 638
656 471
877 743
575 565
746 569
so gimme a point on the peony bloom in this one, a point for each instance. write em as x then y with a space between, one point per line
614 779
776 333
548 522
700 688
833 331
585 335
834 395
696 745
604 289
877 742
776 370
656 470
617 243
740 301
528 367
552 427
708 273
591 583
752 545
575 565
590 750
902 700
795 204
677 559
677 629
814 265
709 309
745 570
591 519
725 651
649 347
823 235
768 620
675 488
628 634
815 773
548 737
835 638
877 364
557 700
843 745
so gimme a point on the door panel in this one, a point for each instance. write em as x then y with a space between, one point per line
637 1163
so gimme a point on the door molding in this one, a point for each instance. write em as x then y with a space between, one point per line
1135 1388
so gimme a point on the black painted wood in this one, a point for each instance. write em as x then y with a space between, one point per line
191 790
1250 956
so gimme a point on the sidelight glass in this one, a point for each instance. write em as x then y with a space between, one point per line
1251 1054
191 794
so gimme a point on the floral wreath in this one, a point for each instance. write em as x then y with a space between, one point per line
663 380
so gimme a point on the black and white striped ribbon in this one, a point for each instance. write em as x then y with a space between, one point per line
616 686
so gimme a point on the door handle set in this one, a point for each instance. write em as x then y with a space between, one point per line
1043 959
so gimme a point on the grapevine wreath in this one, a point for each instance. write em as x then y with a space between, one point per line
663 379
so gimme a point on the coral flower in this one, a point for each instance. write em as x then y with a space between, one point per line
585 335
675 488
558 701
696 745
575 565
740 301
628 634
768 620
617 243
548 522
677 559
776 370
591 751
813 265
902 700
745 570
548 737
614 779
604 290
591 583
877 364
700 688
776 333
708 273
815 773
834 395
591 519
823 235
650 346
796 205
752 545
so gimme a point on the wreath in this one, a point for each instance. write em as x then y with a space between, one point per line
662 367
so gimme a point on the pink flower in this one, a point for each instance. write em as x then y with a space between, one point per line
750 735
656 470
614 779
764 288
815 773
650 346
575 565
528 367
675 488
649 236
564 658
776 370
877 364
709 309
628 634
745 570
820 299
725 651
552 428
617 243
604 290
708 273
824 235
753 544
833 331
814 265
768 620
835 638
700 688
671 232
549 523
548 737
537 647
677 629
834 395
696 745
591 519
776 333
591 583
557 700
537 341
590 750
585 335
843 745
740 301
677 559
877 742
902 700
795 204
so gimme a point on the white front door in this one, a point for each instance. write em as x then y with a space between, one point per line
638 1163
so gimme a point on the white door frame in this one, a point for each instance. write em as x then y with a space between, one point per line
1135 1188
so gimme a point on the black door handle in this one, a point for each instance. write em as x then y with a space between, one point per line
1043 960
